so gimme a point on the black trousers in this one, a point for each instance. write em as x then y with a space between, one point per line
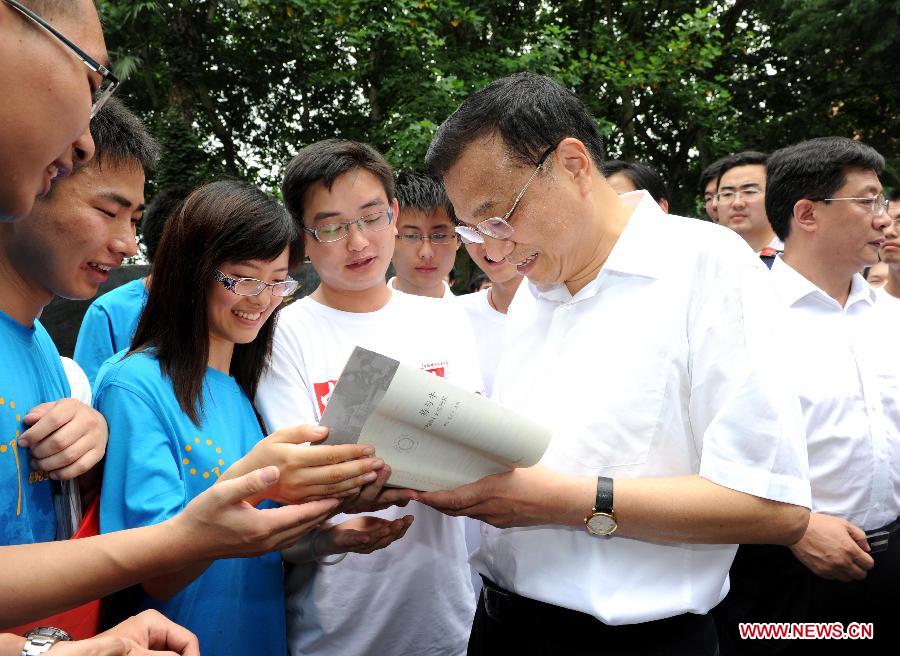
768 584
506 623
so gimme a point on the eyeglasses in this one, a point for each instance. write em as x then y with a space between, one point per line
332 232
728 197
438 238
497 227
109 83
254 287
878 204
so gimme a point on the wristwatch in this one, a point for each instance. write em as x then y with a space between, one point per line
602 520
39 640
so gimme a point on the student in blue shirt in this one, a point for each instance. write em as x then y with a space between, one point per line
178 406
109 323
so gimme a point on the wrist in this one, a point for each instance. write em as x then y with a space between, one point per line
580 496
11 645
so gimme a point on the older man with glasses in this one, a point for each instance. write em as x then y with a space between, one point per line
645 344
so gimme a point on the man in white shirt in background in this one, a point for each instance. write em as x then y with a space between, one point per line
647 347
415 596
825 201
426 242
741 202
888 294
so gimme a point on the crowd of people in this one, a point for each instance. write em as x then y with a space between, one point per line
725 411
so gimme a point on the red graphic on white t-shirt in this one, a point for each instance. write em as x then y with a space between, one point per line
323 393
324 390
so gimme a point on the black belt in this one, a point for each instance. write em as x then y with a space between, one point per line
879 538
504 606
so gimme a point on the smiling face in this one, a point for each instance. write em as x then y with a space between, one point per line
355 265
46 104
421 265
848 232
86 227
235 319
548 244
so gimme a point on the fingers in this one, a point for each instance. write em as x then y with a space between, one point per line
81 466
238 489
49 422
300 434
328 481
859 537
162 633
106 646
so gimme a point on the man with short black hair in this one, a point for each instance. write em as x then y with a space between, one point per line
741 202
645 345
709 179
625 177
426 240
109 323
825 200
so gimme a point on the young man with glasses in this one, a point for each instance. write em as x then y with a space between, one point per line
889 293
414 597
825 201
426 240
741 202
51 87
646 346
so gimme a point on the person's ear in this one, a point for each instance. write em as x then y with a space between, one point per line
574 163
804 215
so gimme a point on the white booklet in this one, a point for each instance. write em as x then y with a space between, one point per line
433 434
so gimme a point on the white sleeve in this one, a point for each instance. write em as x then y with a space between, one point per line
78 381
744 409
285 396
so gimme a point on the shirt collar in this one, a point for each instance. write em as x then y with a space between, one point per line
638 251
792 286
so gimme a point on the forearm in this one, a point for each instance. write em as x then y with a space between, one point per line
694 510
11 645
50 577
162 588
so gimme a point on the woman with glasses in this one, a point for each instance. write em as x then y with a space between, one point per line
178 406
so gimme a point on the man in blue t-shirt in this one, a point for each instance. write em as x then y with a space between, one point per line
66 246
111 320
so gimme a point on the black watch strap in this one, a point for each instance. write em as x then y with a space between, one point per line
604 501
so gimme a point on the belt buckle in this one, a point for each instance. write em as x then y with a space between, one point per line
878 541
494 602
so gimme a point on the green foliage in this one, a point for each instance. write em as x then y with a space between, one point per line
237 86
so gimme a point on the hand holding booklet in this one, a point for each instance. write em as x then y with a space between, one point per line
433 434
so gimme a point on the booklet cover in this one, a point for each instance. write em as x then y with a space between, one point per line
433 434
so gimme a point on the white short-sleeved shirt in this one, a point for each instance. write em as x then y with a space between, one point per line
415 596
448 293
849 385
78 380
663 365
488 325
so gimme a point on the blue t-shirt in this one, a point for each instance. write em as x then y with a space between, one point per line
108 326
156 462
31 373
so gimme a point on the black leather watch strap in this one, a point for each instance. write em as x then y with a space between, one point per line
604 501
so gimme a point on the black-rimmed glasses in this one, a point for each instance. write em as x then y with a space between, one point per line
331 232
109 83
499 227
254 287
878 204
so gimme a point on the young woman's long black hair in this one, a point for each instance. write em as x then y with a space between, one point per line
225 221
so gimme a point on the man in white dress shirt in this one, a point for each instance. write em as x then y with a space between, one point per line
825 201
741 202
647 347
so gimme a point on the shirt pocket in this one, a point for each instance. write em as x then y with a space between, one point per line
611 417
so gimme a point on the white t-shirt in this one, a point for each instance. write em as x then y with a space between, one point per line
664 365
415 596
849 385
488 325
448 293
